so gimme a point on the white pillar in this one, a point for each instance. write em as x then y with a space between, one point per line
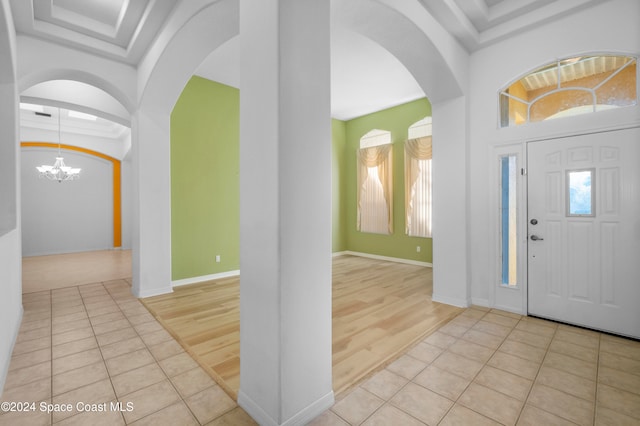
450 202
10 228
285 210
151 202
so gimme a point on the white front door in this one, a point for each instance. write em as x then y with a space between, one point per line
583 224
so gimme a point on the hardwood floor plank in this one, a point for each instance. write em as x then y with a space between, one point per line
379 309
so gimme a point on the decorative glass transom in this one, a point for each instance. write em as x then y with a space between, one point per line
574 86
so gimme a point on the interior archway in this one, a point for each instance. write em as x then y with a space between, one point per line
168 77
94 134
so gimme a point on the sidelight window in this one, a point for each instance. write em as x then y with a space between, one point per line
508 220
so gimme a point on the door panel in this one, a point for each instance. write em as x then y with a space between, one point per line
584 257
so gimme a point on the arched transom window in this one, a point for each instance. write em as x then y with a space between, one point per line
573 86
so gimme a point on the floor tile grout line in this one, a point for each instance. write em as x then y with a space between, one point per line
454 402
104 361
159 366
388 401
548 350
533 381
470 381
101 356
476 375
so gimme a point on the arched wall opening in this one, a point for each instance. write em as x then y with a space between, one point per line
199 33
440 66
167 78
93 213
197 37
51 74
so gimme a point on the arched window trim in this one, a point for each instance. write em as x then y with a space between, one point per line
558 63
375 137
425 122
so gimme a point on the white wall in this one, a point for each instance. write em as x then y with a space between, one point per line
84 97
66 217
112 147
10 261
41 60
126 203
610 27
95 232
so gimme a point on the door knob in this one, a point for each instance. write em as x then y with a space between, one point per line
536 238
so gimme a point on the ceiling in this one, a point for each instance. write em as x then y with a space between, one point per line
479 23
47 117
121 30
365 77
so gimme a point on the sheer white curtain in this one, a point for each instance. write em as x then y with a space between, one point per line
417 181
375 190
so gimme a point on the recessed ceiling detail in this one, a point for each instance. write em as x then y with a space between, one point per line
116 29
479 23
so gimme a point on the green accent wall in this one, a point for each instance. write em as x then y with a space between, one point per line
205 189
397 121
205 162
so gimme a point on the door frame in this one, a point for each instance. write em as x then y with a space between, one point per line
500 296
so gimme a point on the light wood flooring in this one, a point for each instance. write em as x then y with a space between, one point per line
68 270
379 310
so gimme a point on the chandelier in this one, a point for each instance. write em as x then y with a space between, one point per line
59 171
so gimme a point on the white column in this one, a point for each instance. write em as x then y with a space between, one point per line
450 203
151 202
10 228
285 210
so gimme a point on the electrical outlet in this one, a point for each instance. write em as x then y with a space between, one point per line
417 249
217 258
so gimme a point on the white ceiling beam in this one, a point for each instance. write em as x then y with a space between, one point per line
547 13
454 19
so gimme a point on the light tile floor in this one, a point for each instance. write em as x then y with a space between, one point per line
491 368
97 344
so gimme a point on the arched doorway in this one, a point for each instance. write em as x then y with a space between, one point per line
165 82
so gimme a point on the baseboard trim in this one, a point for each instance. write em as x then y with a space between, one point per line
204 278
153 292
387 258
480 302
302 417
254 410
453 301
509 309
311 411
4 369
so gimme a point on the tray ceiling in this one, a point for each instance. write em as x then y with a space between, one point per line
118 29
479 23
